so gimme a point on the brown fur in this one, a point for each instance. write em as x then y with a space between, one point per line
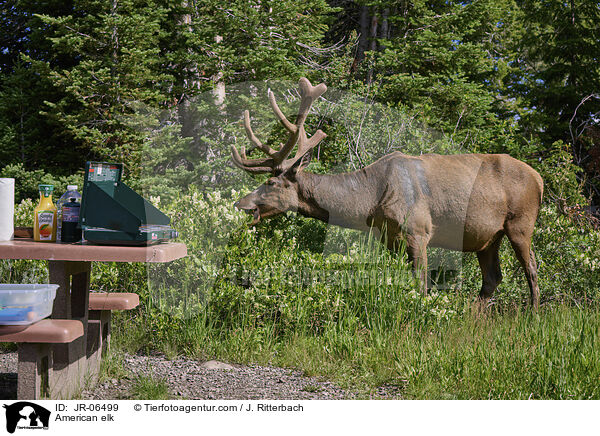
459 202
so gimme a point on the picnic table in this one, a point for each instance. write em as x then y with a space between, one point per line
70 267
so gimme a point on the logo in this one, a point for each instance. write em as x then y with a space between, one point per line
26 415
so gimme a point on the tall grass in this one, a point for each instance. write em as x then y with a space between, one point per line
361 322
553 354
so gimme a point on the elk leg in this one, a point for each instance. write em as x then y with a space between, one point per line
491 274
416 247
521 244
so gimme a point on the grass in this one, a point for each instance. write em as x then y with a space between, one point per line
518 354
111 365
311 389
550 355
369 327
149 388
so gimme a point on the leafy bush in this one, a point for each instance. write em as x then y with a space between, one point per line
26 182
560 175
292 274
273 277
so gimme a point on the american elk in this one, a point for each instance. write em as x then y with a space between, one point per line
464 202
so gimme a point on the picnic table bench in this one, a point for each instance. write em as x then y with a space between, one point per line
55 359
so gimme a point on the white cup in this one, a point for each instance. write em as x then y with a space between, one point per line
7 209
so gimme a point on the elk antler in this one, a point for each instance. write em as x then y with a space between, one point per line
276 162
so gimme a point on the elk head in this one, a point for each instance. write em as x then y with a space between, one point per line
280 193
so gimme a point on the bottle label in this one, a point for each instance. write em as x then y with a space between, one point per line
46 224
70 214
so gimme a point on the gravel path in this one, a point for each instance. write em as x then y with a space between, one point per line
191 379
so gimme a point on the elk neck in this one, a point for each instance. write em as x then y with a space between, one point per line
345 200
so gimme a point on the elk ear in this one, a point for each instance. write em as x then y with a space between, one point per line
299 164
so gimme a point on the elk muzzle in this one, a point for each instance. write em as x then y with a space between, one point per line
250 207
258 210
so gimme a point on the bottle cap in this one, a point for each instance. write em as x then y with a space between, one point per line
46 189
71 187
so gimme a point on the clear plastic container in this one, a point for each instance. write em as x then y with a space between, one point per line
25 304
65 198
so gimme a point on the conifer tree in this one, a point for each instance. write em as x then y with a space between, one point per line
115 46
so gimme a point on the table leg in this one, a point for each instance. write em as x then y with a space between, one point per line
35 369
71 302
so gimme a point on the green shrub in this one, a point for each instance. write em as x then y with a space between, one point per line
26 182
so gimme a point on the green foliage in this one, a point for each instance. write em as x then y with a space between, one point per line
519 356
24 213
559 68
116 46
26 182
273 279
560 175
486 76
260 39
263 295
359 312
23 271
443 64
567 258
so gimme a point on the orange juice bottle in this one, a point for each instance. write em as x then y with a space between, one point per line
44 227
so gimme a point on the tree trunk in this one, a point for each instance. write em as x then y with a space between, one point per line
115 50
22 128
190 82
363 40
219 89
373 32
385 31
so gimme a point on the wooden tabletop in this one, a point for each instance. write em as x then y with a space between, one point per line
28 249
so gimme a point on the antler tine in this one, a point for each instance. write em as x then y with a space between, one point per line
313 141
282 118
304 146
252 137
267 161
277 162
309 94
285 150
255 166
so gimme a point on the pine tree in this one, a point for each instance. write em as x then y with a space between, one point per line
448 62
560 82
211 46
26 137
115 47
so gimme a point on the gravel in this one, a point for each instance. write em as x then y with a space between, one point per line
191 379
